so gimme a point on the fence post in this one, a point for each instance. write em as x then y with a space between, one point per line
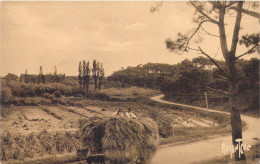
206 100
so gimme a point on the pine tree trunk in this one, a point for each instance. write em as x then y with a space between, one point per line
87 87
84 90
236 124
229 57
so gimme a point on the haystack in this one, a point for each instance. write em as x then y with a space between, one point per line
120 139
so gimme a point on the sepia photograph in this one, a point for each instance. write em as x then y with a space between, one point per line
129 82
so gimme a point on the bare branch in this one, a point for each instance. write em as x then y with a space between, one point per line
210 19
197 29
194 49
248 12
214 62
248 52
219 91
209 33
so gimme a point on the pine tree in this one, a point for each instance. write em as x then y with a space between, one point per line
87 77
80 76
41 78
84 77
55 70
95 74
55 75
26 77
101 77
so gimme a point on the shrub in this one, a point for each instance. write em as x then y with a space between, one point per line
6 95
57 94
102 96
29 90
164 122
48 96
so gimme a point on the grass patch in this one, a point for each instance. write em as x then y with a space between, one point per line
128 92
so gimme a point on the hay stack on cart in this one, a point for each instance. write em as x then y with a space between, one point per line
120 140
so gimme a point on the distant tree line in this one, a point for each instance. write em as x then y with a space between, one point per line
189 77
84 76
41 77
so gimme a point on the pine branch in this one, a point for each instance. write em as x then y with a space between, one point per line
248 12
204 14
248 52
209 33
197 29
214 62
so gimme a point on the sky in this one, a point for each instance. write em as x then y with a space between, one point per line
117 34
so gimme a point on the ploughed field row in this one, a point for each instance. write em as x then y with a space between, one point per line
30 119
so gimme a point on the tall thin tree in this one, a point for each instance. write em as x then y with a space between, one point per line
41 78
94 74
87 77
26 80
101 76
84 74
80 76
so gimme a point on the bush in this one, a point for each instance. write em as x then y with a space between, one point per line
29 90
164 122
6 95
57 94
48 96
102 96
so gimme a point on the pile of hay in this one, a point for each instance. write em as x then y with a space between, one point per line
120 139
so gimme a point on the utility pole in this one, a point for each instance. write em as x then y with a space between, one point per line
206 98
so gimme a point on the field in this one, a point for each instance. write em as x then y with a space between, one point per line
38 132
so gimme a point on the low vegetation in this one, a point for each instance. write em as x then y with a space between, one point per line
19 147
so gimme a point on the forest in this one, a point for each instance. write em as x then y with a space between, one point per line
186 82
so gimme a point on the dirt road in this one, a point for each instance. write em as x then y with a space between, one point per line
202 150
